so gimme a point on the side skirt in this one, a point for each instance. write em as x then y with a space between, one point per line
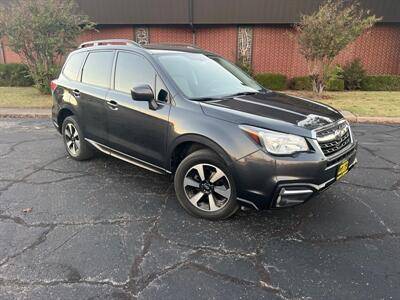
130 159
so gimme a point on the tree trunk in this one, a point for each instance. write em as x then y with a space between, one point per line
318 84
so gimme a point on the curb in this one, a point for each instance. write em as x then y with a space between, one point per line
23 115
36 113
370 120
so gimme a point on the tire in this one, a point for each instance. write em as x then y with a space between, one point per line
193 189
75 144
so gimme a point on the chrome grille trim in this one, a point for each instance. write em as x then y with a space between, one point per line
334 139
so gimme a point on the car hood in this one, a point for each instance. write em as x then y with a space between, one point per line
273 111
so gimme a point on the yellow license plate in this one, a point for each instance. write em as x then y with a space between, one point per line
342 169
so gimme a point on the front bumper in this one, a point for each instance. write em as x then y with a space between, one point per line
275 182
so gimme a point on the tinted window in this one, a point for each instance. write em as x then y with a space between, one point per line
73 65
133 70
97 69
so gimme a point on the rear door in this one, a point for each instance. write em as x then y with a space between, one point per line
91 94
133 127
67 81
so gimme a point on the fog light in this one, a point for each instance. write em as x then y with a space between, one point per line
293 197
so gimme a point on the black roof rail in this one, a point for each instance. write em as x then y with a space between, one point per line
109 42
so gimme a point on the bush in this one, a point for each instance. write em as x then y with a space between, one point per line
381 83
272 81
335 85
15 75
303 83
42 78
353 75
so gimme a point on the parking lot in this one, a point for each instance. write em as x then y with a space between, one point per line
109 230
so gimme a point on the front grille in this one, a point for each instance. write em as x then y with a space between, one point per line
335 138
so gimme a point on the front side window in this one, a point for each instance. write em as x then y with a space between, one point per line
97 69
199 76
133 70
73 65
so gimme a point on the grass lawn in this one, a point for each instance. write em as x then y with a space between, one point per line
363 104
23 97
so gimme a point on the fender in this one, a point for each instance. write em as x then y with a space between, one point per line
66 107
200 139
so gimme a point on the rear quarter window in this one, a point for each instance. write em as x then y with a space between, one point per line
97 69
73 65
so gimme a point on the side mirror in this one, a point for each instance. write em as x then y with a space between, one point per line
144 93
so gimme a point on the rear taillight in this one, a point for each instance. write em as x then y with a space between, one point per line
53 86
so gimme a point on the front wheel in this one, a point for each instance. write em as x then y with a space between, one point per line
205 187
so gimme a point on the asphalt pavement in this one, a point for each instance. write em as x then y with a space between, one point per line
104 229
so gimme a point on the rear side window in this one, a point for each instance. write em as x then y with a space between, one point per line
133 70
73 65
97 69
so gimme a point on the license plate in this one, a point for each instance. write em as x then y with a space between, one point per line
342 169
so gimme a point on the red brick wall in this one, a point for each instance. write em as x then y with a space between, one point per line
218 39
275 50
9 56
379 50
170 34
109 32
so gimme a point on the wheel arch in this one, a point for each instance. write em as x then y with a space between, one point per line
189 143
64 112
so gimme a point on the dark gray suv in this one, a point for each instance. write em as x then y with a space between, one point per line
176 109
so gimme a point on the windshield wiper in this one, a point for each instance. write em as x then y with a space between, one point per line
241 94
206 98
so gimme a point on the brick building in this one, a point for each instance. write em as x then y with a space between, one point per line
261 31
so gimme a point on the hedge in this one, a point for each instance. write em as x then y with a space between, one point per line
272 81
14 75
302 83
381 83
335 85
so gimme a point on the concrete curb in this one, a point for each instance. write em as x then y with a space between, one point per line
37 113
371 120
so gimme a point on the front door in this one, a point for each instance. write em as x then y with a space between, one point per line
134 128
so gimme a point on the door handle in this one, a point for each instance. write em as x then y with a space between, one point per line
76 93
112 104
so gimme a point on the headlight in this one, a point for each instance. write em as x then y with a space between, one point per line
276 142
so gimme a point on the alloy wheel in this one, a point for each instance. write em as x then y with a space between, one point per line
207 187
72 139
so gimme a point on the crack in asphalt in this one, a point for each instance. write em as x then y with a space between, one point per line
372 152
136 274
41 239
8 186
346 239
14 145
138 281
374 214
119 221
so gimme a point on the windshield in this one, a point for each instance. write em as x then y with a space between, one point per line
200 77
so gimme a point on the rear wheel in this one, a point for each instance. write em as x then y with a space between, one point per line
205 186
75 144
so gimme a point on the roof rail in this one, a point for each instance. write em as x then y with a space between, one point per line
180 45
109 42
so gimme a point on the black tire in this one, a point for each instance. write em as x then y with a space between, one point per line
84 151
210 163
